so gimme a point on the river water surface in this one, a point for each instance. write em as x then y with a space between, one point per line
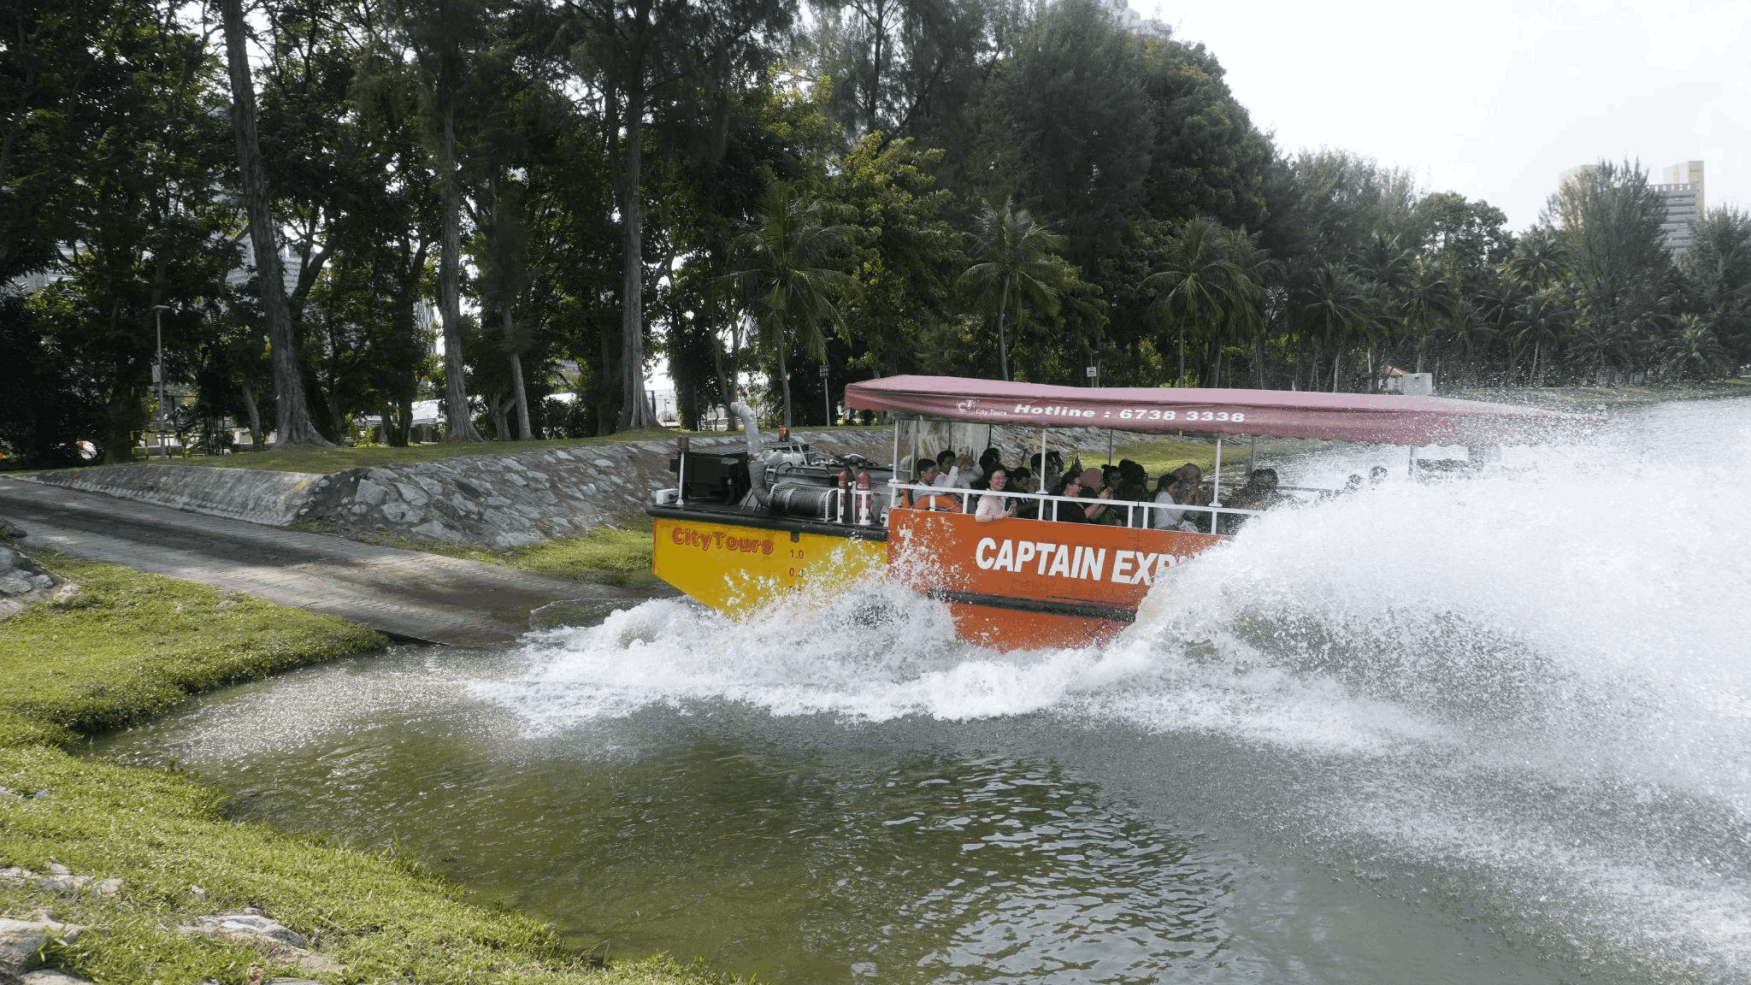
1496 729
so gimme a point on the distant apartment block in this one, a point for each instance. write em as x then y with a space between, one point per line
1579 171
1687 173
1131 20
1681 199
1682 203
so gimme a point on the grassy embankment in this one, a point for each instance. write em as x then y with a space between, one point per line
605 555
128 646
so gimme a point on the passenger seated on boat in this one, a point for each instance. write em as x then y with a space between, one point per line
989 462
1098 511
1259 493
945 464
952 471
1092 488
1130 491
1068 512
1052 466
1193 492
1168 489
1023 480
966 470
1377 475
993 506
922 500
926 477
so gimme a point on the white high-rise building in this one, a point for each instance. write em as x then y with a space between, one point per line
1687 173
1131 20
1680 194
1681 191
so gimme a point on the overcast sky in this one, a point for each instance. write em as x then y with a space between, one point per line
1493 98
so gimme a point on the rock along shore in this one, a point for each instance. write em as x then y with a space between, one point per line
23 942
496 499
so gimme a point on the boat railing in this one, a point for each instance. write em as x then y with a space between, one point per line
1137 512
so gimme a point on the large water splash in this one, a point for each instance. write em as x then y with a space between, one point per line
1532 681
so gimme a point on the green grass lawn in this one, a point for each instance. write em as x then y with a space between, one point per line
605 555
130 645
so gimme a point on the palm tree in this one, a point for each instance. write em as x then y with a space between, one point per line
1597 342
1212 276
1016 265
1336 303
1472 331
781 277
1386 263
1539 258
1428 300
1500 307
1694 348
1257 268
1543 319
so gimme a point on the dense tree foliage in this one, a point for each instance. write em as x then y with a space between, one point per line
569 192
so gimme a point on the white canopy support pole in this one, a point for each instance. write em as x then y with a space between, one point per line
1109 446
1252 453
914 476
1041 478
680 468
1216 497
894 480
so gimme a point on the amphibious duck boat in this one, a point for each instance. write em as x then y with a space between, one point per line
741 527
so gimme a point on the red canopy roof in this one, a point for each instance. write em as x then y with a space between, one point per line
1387 418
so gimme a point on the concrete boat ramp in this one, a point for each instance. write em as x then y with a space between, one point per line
407 594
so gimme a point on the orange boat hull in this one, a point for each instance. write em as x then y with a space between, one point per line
1022 584
1010 629
1011 584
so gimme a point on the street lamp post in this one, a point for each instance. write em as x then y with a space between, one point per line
826 396
158 311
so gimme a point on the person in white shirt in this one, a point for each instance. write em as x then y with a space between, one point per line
992 506
947 476
1167 490
954 472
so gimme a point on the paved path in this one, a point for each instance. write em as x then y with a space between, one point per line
404 593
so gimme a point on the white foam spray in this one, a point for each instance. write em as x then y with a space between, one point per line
1536 677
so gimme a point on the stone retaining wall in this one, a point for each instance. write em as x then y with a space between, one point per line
256 495
502 499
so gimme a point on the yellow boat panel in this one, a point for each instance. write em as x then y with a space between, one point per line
735 568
